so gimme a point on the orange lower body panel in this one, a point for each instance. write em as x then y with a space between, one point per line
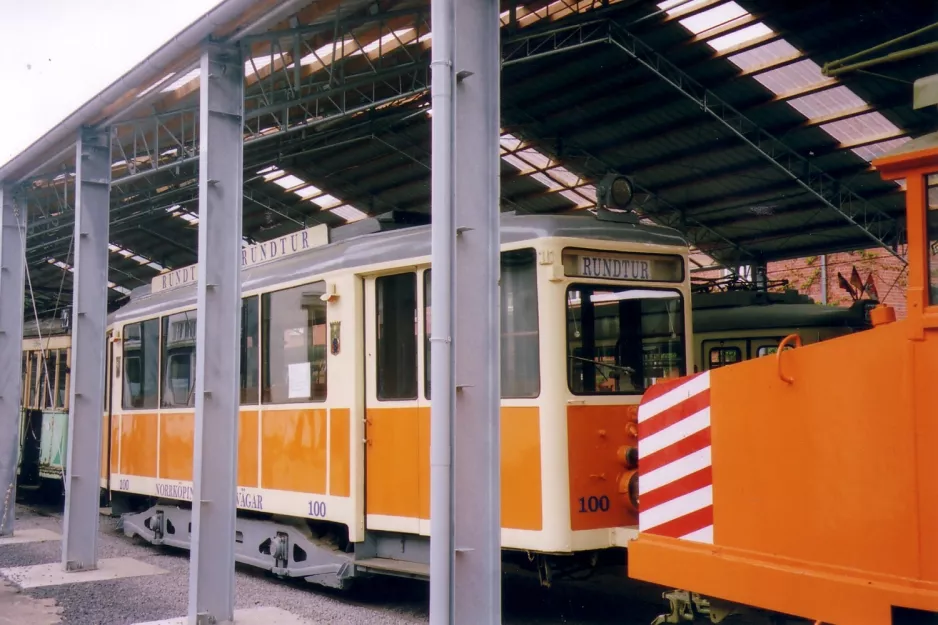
795 587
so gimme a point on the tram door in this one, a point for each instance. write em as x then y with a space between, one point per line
397 411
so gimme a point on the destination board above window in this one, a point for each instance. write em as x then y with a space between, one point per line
253 255
625 267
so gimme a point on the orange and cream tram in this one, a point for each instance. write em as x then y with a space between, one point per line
333 457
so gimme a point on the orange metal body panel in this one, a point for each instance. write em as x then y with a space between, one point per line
824 465
248 436
294 447
105 435
138 444
177 433
393 462
115 443
594 434
398 464
339 449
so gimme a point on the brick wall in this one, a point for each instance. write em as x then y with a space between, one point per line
804 275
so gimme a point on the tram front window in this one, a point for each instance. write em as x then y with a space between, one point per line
622 340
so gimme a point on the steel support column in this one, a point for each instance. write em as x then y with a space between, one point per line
86 392
477 460
218 330
12 272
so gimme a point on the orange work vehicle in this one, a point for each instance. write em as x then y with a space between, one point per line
806 483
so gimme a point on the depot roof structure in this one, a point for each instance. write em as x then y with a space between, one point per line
718 110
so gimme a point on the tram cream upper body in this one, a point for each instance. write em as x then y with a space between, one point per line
335 413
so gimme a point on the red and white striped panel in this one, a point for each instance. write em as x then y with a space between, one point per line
675 483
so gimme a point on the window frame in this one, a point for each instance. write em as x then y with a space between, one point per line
619 286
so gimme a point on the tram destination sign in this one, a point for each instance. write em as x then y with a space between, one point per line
253 255
622 266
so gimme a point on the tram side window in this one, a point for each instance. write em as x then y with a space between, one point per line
396 301
179 332
721 356
520 340
46 370
294 325
250 354
141 344
61 379
622 340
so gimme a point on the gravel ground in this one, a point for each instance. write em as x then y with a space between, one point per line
385 601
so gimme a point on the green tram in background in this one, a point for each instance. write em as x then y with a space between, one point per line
47 351
731 322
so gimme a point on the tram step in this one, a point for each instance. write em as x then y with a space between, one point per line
387 566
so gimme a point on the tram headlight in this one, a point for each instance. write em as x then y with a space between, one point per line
628 488
615 191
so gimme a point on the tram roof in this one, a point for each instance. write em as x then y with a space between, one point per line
648 88
350 247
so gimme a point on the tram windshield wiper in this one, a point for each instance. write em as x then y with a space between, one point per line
628 370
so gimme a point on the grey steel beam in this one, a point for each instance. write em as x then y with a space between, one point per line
215 450
12 273
477 458
86 391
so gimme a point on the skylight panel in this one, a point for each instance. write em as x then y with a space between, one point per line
547 181
576 198
382 42
522 166
326 201
182 81
673 7
276 173
157 83
764 55
739 37
112 247
125 253
712 18
260 62
860 128
289 181
140 259
875 150
323 54
267 170
828 102
349 213
307 192
794 77
535 158
510 142
564 176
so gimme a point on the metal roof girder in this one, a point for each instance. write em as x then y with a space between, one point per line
876 225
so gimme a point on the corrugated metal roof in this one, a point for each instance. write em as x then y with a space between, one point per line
569 117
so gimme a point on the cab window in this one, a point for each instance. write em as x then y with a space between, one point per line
621 340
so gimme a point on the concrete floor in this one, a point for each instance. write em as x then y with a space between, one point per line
17 608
